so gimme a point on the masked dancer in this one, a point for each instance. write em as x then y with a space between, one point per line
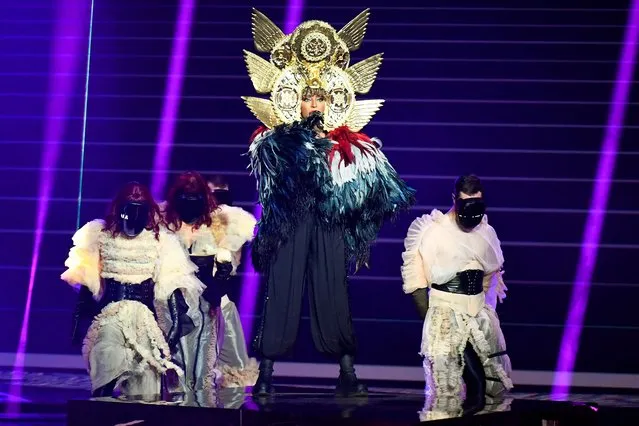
452 267
128 266
215 353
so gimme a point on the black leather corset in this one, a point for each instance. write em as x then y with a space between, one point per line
204 268
469 282
115 291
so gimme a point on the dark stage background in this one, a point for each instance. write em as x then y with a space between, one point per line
518 95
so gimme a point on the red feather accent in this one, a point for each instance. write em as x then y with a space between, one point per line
257 132
345 138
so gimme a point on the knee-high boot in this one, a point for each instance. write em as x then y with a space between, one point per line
475 378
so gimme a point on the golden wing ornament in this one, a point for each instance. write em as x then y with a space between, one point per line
263 110
364 73
353 33
362 113
263 73
265 33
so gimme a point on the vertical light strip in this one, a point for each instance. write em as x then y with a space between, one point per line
172 96
294 10
250 284
84 116
594 224
68 40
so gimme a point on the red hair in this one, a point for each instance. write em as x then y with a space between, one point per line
190 182
133 191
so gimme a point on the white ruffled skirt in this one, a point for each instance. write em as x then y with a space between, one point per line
125 343
444 337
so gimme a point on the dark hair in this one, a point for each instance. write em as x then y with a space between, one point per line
218 181
191 183
133 191
468 184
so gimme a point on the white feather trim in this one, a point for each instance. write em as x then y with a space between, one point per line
239 227
365 161
223 255
174 270
83 262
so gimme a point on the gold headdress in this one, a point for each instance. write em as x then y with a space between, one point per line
314 56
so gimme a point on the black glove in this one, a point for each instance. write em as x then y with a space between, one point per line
85 309
420 297
182 323
224 270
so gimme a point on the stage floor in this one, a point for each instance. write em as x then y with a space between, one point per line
44 399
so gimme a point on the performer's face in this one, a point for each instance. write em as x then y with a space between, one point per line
313 103
222 194
469 210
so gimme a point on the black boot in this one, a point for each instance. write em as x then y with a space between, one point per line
475 378
347 382
264 384
106 390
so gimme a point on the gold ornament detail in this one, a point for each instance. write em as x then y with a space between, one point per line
314 56
265 33
353 33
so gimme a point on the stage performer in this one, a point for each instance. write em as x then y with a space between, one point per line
215 353
324 187
452 267
234 352
128 266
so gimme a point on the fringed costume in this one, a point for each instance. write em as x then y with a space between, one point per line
462 341
130 278
214 354
325 188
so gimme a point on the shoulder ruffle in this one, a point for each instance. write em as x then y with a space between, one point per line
238 227
232 227
83 262
414 274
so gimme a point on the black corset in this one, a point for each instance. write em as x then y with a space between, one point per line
204 268
469 282
115 291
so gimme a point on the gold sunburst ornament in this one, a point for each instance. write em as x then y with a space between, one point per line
314 56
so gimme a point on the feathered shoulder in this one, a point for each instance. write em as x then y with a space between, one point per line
232 227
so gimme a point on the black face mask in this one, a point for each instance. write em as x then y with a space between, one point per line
223 196
190 207
470 212
134 217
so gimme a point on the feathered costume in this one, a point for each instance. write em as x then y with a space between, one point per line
325 189
130 278
215 353
438 252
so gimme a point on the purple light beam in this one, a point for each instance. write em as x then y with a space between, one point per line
250 284
294 10
592 231
68 40
172 97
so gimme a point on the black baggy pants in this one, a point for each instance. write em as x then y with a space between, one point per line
313 255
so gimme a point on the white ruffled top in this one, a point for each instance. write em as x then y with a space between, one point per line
97 255
436 250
